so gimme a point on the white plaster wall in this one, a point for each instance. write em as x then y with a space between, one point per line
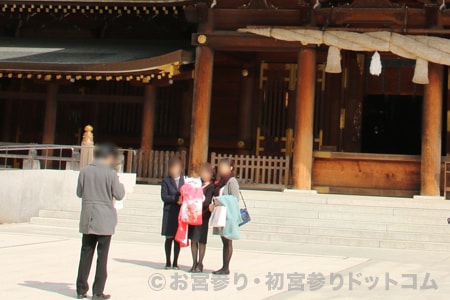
24 192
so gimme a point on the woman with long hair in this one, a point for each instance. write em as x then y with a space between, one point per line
227 185
199 234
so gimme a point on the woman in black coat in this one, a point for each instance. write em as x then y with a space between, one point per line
199 234
170 195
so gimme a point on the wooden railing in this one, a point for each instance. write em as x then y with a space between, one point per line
259 172
34 156
151 166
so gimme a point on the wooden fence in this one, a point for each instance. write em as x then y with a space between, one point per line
258 172
150 166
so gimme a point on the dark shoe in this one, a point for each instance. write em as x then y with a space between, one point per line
81 296
221 272
167 267
175 268
101 297
192 270
199 268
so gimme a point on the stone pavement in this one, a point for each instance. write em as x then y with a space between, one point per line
41 263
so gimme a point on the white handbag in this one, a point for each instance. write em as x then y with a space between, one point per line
219 216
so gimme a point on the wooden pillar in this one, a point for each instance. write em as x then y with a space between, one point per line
303 140
201 107
245 109
431 133
7 121
184 129
148 117
50 114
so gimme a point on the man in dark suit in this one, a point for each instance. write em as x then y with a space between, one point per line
98 184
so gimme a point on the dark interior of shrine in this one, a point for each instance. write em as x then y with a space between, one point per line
391 124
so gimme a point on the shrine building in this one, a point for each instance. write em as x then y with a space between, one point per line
346 97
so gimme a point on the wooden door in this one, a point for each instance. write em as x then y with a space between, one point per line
276 114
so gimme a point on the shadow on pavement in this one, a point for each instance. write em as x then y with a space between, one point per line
153 265
65 289
144 263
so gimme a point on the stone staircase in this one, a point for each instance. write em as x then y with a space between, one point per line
297 218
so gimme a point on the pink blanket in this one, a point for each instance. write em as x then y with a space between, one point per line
190 212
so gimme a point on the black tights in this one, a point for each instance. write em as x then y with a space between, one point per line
198 253
176 251
227 253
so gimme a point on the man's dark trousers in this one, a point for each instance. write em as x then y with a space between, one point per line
90 241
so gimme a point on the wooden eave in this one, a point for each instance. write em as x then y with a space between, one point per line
167 62
150 3
100 7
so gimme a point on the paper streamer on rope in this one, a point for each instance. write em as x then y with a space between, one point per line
423 49
421 72
317 5
333 60
375 64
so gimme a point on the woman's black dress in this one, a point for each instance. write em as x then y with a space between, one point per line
200 233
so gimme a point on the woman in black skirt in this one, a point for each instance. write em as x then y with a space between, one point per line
199 234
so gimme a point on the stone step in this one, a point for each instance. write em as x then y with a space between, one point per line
271 208
293 195
331 236
298 218
346 241
74 215
152 225
248 242
297 238
71 223
380 205
303 218
260 230
121 227
389 202
292 209
367 217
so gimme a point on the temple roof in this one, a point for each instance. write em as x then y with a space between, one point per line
30 57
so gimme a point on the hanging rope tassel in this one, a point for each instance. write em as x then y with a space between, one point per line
375 64
421 72
443 6
317 5
333 60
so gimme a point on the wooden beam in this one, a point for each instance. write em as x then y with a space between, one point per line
380 17
50 114
431 133
232 19
148 117
71 97
236 41
304 138
201 108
